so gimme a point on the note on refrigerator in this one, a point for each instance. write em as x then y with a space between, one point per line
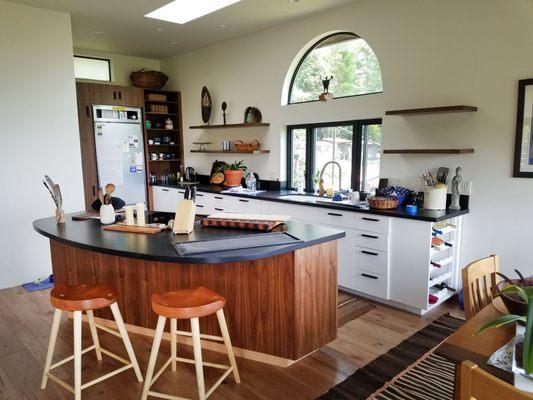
110 165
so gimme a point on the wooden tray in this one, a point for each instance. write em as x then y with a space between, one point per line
121 227
241 224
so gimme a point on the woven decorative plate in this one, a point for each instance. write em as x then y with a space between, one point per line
382 202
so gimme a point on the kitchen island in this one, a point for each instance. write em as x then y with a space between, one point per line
281 300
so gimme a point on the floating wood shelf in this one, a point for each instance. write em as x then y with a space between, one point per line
432 110
232 151
429 151
162 129
159 113
160 101
229 126
166 160
163 145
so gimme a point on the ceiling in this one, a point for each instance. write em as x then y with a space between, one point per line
119 26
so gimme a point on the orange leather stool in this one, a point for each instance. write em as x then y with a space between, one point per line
188 304
86 298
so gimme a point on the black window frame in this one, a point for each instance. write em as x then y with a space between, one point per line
302 59
358 157
100 59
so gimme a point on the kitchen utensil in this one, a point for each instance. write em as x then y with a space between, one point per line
442 174
224 107
241 224
189 173
107 214
147 229
435 198
382 202
109 189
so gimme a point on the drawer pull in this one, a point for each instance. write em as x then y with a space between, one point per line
335 214
199 206
370 219
369 236
369 276
219 198
165 190
181 191
199 195
370 253
219 209
244 201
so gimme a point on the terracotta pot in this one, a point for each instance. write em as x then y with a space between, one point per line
233 177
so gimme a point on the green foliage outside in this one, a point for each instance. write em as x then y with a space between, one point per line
352 63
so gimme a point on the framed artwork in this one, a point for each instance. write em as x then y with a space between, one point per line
523 156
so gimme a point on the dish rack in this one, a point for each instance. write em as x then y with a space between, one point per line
444 261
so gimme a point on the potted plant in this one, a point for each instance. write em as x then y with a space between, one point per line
523 352
233 173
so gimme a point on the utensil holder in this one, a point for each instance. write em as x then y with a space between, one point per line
107 214
60 216
435 198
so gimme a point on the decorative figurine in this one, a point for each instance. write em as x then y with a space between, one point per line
206 105
326 95
224 107
55 192
456 181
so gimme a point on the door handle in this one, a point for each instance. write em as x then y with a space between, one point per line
219 198
114 95
244 201
335 214
370 219
165 190
94 190
199 206
87 110
369 236
199 195
219 209
370 253
369 276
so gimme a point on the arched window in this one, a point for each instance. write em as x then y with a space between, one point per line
351 61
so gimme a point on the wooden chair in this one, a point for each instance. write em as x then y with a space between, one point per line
77 299
188 304
480 385
479 284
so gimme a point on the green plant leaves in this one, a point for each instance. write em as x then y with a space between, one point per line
500 321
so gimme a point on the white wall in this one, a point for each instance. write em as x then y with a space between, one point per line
432 53
38 134
121 65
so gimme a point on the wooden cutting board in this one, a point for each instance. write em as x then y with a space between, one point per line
121 227
241 224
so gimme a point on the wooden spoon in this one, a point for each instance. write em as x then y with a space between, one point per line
109 189
101 195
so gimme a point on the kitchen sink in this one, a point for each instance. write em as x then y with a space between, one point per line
321 200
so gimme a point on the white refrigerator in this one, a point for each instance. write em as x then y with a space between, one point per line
120 151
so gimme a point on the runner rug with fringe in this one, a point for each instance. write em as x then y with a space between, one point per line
432 378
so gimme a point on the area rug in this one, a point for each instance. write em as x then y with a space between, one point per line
372 377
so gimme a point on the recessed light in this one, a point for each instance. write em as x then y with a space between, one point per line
182 11
172 43
97 32
159 29
222 25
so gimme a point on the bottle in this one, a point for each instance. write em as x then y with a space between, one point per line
251 182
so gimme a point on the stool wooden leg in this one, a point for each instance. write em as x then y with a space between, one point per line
94 334
51 346
227 342
197 346
77 355
126 339
173 347
153 356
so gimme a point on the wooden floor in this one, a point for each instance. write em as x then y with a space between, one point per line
25 321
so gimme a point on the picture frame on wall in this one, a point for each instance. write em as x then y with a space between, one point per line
523 157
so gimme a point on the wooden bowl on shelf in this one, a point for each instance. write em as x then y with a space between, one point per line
246 147
383 202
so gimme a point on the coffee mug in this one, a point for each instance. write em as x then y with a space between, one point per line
354 197
153 156
150 142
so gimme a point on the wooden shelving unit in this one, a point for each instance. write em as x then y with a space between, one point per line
231 151
429 151
432 110
228 126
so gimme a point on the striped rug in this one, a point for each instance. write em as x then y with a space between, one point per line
394 366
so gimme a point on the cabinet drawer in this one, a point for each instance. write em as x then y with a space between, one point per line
372 260
372 223
371 283
372 240
331 217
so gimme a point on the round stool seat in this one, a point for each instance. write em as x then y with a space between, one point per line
187 303
82 297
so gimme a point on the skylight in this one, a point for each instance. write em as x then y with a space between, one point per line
182 11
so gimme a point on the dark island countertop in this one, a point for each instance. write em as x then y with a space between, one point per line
278 196
89 235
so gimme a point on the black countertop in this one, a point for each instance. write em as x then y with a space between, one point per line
159 247
421 215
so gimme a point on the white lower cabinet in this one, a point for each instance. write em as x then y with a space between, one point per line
165 199
371 283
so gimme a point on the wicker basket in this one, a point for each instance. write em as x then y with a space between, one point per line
148 79
383 202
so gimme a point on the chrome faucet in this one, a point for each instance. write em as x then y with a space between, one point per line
321 181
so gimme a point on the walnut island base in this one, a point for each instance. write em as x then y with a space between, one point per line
279 308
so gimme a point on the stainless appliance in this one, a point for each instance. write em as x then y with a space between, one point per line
120 151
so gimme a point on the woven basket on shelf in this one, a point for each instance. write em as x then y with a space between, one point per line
382 202
148 79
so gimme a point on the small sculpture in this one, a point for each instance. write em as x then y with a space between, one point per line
206 105
326 95
55 192
456 181
224 107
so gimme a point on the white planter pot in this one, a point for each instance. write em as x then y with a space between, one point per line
107 214
521 380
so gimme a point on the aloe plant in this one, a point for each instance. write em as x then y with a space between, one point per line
527 294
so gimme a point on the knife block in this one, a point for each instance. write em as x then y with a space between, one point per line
184 219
